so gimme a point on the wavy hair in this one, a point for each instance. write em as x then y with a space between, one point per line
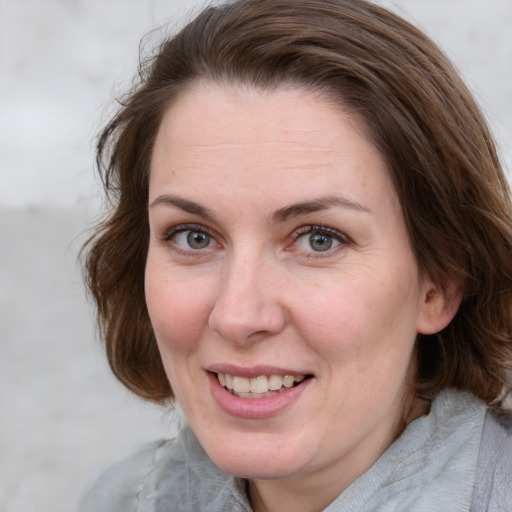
419 114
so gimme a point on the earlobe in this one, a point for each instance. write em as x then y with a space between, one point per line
438 308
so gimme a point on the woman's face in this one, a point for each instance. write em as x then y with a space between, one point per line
279 265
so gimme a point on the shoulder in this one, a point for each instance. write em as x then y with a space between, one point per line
162 474
493 483
119 485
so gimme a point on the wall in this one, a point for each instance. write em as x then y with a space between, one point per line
60 63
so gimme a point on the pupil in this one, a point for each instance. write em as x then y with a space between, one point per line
198 240
320 242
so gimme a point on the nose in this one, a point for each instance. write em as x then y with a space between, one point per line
247 306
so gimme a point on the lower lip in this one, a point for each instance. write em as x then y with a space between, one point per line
255 408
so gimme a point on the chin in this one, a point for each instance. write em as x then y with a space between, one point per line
255 469
251 459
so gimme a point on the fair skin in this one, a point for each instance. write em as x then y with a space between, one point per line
278 247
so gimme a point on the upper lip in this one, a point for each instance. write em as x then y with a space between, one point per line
253 371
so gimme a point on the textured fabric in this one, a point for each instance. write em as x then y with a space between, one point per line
493 482
430 468
165 476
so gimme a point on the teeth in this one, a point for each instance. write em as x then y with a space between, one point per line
288 381
275 382
241 385
259 385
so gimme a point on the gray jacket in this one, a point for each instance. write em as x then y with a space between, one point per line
456 459
492 491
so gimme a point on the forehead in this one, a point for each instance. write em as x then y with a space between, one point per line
287 137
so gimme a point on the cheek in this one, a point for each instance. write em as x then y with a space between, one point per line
178 312
366 319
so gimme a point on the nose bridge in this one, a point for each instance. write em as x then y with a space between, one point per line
246 306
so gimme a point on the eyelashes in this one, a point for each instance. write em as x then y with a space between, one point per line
314 241
319 239
189 237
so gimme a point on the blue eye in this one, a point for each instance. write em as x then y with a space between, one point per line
192 239
317 239
321 242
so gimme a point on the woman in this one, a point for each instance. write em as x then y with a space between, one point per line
310 249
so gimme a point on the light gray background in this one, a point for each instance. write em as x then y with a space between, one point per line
61 413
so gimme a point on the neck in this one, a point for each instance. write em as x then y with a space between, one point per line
276 496
314 492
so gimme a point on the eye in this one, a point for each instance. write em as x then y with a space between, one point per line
319 242
192 240
189 238
317 239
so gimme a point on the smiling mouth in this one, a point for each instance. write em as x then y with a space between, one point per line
259 387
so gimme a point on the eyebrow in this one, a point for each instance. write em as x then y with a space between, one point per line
185 205
281 215
316 205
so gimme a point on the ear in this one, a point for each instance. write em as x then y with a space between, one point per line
439 306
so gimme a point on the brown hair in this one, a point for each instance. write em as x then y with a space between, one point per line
439 152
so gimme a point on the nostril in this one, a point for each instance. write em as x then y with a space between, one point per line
246 325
